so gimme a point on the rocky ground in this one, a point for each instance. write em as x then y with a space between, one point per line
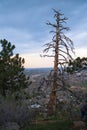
39 91
38 94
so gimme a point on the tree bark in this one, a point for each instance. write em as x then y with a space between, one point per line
52 102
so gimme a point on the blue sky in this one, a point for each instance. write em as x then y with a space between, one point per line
23 23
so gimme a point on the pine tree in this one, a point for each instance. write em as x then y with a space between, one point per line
12 77
60 46
77 64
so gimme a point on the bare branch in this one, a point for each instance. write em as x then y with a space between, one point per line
63 57
54 25
48 56
52 32
47 43
64 28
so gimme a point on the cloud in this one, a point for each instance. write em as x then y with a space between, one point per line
15 36
23 24
23 40
80 39
81 52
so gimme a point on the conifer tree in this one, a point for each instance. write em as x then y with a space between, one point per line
60 46
12 77
77 64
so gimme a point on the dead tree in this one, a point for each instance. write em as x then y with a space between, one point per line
60 46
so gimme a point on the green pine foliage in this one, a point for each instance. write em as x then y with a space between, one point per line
12 77
77 64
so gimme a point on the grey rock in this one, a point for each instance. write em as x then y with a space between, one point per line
11 126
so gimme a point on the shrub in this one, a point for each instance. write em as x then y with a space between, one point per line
12 111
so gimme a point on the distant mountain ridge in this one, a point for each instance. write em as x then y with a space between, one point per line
32 71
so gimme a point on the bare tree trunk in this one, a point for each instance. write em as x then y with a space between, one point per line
61 46
52 101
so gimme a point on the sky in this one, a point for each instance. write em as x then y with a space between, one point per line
23 23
